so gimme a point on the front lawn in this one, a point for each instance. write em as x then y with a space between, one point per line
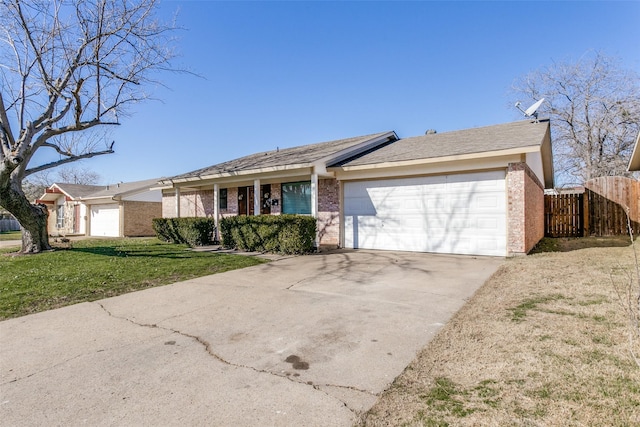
10 235
89 270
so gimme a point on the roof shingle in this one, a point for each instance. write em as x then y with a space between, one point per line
302 155
468 141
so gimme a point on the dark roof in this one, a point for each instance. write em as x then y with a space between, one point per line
468 141
112 190
303 155
77 191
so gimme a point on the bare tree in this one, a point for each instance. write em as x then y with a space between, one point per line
594 107
35 185
82 176
68 67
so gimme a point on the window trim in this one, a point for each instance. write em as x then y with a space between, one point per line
223 195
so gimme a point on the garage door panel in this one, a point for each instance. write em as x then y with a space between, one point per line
105 220
463 213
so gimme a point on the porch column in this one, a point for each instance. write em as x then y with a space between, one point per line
177 202
256 197
216 211
314 205
314 195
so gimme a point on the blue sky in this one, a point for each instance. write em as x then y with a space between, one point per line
281 74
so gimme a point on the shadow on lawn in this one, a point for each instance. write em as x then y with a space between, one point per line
129 253
568 244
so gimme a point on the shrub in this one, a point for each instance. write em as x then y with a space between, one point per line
192 231
286 234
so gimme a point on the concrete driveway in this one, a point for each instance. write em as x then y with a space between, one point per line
310 340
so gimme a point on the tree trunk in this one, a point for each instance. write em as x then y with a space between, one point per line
32 218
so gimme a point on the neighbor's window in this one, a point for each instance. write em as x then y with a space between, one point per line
296 198
60 216
222 198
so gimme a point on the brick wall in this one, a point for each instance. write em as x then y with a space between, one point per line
192 203
525 210
137 218
168 204
329 212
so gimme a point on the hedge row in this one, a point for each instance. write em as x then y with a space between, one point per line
192 231
285 234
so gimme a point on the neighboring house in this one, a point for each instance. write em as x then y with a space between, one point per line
116 210
634 162
477 191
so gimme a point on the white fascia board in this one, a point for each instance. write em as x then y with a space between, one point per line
241 178
444 159
356 149
433 168
97 200
243 173
51 197
161 187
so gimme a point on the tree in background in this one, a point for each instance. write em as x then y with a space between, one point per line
68 67
594 107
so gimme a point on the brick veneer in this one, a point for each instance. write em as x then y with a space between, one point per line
328 212
192 203
137 218
525 210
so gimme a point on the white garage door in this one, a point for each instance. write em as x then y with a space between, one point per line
457 214
105 220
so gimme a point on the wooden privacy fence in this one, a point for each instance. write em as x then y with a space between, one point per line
609 200
564 215
600 211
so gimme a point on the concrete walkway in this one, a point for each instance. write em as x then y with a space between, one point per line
309 340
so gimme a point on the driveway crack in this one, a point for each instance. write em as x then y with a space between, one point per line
209 350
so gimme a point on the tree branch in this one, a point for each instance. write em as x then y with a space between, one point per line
69 160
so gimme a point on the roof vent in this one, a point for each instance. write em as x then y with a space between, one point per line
430 132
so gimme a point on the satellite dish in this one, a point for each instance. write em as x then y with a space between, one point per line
531 111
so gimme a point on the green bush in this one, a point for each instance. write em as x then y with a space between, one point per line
192 231
286 234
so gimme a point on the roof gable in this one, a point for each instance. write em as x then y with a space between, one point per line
76 191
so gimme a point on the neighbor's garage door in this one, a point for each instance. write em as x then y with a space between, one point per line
105 220
457 214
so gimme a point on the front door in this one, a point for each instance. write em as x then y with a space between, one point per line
245 200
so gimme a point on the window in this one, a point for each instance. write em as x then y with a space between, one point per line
222 198
60 216
296 198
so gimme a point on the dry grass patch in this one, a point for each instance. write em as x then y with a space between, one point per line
544 342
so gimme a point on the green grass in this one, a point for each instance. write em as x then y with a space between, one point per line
520 312
10 235
89 270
